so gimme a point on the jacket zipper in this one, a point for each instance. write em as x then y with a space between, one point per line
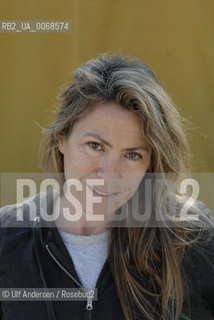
89 305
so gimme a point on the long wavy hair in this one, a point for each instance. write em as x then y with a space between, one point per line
145 261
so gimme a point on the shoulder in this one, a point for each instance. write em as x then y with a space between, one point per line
198 265
23 214
201 244
17 219
20 214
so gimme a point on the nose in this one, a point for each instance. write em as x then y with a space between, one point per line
109 167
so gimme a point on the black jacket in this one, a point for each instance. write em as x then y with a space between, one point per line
34 256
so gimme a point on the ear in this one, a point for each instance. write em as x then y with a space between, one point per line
61 143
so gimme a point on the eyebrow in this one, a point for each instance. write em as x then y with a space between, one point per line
109 145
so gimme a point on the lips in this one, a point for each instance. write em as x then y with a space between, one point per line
101 193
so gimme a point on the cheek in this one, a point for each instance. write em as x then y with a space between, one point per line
78 164
132 183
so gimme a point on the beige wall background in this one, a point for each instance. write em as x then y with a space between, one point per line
174 36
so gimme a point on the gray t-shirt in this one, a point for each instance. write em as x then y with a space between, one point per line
88 254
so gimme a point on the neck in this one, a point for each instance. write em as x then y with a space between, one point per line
80 226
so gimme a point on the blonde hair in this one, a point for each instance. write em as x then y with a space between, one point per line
153 255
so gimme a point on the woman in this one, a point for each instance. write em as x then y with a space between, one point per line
115 127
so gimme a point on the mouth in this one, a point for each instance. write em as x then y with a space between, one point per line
97 192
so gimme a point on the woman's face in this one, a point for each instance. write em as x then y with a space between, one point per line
106 145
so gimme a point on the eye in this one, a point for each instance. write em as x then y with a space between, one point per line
93 145
135 155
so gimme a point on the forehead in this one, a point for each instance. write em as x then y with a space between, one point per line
111 115
113 123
